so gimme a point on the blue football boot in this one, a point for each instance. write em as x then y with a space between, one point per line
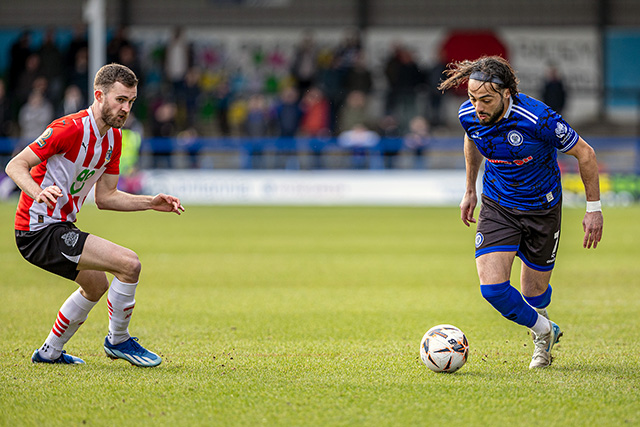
132 352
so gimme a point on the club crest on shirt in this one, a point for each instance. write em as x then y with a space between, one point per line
42 140
561 130
108 156
515 138
70 238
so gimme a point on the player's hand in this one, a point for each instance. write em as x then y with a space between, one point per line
165 203
49 196
592 225
467 206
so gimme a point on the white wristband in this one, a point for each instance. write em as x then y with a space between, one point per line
594 206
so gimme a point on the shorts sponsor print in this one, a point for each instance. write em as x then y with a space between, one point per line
533 235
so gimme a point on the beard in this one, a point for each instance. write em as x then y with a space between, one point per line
493 117
113 120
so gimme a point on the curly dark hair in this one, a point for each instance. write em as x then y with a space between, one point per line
495 69
109 74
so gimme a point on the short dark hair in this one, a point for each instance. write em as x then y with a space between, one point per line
494 69
109 74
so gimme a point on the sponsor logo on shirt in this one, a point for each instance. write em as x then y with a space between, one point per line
518 162
81 180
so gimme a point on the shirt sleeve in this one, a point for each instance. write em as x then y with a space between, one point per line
113 167
557 132
57 138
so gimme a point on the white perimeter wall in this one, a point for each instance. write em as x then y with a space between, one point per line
402 188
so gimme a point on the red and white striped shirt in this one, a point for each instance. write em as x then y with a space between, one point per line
74 156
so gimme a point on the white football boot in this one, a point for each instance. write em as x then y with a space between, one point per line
543 344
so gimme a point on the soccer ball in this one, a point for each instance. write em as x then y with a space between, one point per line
444 348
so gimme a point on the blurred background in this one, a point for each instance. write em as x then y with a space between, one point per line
331 102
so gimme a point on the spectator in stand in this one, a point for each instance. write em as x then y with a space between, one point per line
26 80
410 78
6 126
20 51
192 94
403 79
434 96
359 140
177 61
355 112
330 81
128 56
553 91
163 129
79 75
223 98
316 122
288 112
417 141
354 127
52 62
391 140
34 116
72 101
79 42
392 74
287 115
256 127
117 42
304 66
349 49
359 77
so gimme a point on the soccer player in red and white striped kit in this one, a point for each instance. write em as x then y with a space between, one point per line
56 173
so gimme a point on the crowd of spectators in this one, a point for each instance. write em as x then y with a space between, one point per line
315 92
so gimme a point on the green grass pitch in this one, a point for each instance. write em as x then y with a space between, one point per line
314 315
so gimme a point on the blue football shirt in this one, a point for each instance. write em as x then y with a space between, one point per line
521 152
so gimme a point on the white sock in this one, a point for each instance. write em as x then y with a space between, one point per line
120 302
542 312
542 326
71 315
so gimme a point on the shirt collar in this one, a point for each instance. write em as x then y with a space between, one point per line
506 115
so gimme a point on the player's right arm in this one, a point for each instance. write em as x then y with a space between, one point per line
472 161
18 170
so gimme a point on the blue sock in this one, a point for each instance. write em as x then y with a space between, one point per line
541 301
509 302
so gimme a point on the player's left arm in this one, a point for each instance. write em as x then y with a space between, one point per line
588 165
110 198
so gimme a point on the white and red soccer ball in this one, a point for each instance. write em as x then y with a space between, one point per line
444 348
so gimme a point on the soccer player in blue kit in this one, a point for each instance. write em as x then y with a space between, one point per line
519 137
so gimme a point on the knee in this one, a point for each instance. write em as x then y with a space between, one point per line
501 297
495 292
131 267
509 302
